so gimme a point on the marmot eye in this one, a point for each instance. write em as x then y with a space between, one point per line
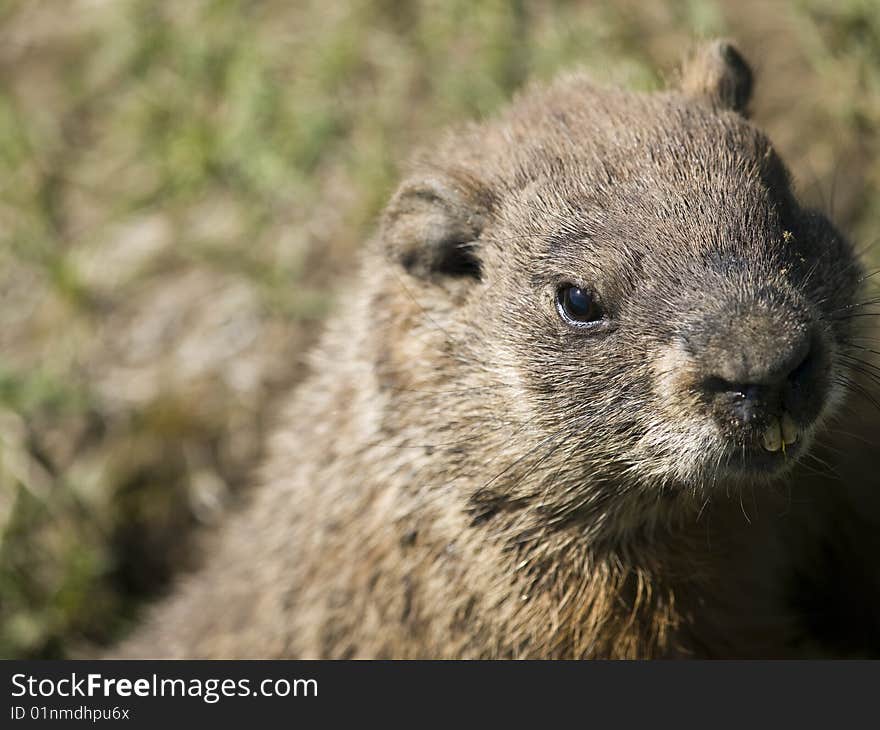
577 306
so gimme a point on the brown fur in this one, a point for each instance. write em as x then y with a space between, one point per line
463 476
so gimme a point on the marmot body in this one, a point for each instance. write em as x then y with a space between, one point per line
576 403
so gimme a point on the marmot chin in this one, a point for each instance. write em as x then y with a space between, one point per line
577 402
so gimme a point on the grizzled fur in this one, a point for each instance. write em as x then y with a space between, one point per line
465 475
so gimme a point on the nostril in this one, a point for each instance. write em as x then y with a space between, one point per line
745 401
801 371
715 385
792 364
745 392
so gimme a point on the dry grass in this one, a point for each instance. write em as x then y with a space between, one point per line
183 183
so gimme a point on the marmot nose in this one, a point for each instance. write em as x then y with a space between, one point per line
758 364
766 385
761 366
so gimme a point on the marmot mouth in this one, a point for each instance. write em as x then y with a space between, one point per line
780 433
773 449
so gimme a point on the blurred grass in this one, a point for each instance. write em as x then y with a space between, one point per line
184 183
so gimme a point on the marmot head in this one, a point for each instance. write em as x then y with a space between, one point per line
638 273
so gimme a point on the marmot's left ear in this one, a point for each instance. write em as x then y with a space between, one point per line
718 72
433 222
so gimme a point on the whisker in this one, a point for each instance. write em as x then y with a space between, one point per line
854 387
856 315
857 305
549 439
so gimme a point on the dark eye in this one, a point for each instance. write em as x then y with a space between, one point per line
577 306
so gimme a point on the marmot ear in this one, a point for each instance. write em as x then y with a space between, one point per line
718 72
432 223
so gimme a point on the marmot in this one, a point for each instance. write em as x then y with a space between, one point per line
574 404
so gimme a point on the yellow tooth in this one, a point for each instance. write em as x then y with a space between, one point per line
772 436
790 430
